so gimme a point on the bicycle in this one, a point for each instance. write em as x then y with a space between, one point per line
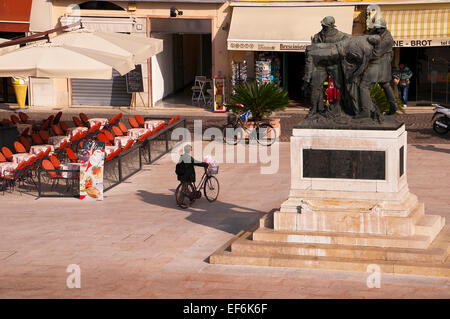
233 132
186 193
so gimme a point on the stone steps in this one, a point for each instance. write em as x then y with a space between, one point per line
429 225
347 239
245 246
349 264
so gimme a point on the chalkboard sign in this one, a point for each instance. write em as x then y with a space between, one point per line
134 80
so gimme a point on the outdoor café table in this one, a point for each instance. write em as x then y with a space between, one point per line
110 149
36 149
74 130
69 167
135 133
56 141
94 121
151 124
121 141
19 157
7 167
22 127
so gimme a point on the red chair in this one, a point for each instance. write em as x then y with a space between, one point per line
2 158
25 143
123 128
44 136
57 118
45 125
15 119
56 130
140 120
77 121
133 123
19 147
54 160
102 138
71 155
117 131
36 138
23 117
109 136
47 152
61 148
128 145
119 116
117 152
64 126
84 118
39 159
176 118
7 153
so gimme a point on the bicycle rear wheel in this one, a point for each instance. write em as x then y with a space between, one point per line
211 188
183 194
265 134
232 133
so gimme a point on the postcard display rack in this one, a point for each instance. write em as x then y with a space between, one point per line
219 95
263 70
239 74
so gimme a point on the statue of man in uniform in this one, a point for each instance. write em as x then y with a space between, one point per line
378 71
316 74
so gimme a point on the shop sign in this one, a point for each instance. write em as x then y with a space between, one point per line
267 46
422 43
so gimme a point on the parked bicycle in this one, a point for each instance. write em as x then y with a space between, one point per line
187 193
234 132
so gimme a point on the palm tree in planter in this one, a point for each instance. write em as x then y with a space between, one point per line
261 99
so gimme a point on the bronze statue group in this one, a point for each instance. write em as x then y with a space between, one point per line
354 63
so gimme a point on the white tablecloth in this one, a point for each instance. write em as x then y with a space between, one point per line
17 158
36 149
56 141
69 167
7 167
22 127
151 124
94 121
74 130
135 133
121 141
110 149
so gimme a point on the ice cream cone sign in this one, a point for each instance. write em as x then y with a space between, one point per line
20 88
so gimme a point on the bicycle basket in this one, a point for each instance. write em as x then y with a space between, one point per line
213 170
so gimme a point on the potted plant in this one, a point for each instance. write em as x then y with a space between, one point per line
261 99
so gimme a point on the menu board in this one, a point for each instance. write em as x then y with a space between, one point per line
91 158
134 80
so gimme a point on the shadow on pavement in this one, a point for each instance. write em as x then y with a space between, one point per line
227 217
432 148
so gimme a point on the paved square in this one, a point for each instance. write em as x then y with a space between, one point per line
138 244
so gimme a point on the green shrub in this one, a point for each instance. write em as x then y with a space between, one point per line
380 99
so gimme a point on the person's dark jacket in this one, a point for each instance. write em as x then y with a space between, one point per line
189 170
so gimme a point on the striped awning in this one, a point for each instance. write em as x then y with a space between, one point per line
418 27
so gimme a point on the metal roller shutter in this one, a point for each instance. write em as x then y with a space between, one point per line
101 92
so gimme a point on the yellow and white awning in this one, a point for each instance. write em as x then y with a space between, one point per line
418 27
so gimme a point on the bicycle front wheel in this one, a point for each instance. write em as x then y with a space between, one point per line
265 134
183 194
211 188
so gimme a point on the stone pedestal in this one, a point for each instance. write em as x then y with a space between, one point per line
349 206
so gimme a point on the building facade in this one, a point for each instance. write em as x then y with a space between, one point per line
194 44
